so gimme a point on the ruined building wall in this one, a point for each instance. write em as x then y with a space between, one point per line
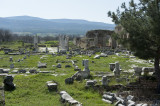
93 38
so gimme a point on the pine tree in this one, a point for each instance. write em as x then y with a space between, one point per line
142 22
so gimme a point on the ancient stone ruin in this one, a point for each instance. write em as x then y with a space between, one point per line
8 83
63 43
93 39
36 43
52 86
66 98
117 70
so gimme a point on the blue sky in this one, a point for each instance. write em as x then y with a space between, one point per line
92 10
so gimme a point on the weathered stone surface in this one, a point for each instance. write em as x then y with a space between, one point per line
121 105
62 52
104 81
35 43
11 59
145 105
64 42
138 71
22 71
62 92
67 66
73 102
107 101
112 66
90 83
117 54
59 65
69 81
76 68
51 86
19 60
117 70
108 97
97 57
15 71
43 72
146 70
33 71
42 65
85 74
12 66
130 97
78 77
103 55
131 103
8 83
117 103
139 104
6 70
24 57
85 63
53 65
1 70
66 98
132 56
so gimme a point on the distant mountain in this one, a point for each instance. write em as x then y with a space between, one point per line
56 26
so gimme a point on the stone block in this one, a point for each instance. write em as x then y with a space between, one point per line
52 86
59 65
69 81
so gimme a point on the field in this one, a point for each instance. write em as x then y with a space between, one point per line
31 89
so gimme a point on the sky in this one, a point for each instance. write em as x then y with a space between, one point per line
91 10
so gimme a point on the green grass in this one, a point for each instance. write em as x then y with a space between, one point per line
31 90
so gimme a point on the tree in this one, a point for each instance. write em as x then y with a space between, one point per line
5 35
142 22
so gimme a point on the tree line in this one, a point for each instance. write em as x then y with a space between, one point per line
8 36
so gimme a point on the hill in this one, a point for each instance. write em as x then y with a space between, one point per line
56 26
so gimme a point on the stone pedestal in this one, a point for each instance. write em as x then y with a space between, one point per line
52 86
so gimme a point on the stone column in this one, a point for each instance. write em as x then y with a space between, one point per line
85 64
36 43
67 43
57 49
46 49
116 70
64 42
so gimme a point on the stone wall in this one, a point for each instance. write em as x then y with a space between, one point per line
93 39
